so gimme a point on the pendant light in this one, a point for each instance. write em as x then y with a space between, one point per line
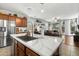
42 6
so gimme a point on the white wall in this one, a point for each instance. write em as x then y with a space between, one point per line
32 20
70 16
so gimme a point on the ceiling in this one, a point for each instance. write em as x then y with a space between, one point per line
34 9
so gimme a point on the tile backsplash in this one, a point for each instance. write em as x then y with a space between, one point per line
22 29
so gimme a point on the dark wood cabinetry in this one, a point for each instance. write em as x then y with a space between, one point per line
29 52
24 20
21 22
15 50
4 16
21 50
12 18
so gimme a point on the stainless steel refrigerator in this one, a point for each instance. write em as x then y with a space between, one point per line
6 28
3 32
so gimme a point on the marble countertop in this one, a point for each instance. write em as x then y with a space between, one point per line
44 45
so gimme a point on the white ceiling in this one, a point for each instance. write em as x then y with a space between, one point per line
50 9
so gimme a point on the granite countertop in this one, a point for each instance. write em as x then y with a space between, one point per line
44 45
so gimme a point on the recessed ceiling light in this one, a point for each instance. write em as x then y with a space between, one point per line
42 11
29 8
41 3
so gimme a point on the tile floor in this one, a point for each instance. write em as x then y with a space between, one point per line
69 47
6 51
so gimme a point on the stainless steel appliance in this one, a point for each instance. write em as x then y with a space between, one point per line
3 32
11 25
6 28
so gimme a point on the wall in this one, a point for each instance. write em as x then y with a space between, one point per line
70 16
32 20
10 12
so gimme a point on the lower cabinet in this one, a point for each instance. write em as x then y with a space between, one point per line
30 52
21 50
15 48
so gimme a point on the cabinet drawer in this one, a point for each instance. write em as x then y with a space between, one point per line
30 52
21 46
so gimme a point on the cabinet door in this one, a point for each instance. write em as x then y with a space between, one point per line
21 49
24 22
4 16
15 48
12 18
30 52
21 46
20 52
18 22
1 16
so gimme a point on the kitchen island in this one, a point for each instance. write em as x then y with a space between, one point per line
43 45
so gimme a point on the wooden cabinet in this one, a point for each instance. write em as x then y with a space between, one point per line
7 17
24 20
21 50
12 18
15 48
21 22
18 22
1 17
4 16
21 46
15 52
29 52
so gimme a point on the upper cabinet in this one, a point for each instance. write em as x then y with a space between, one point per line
24 22
21 22
12 18
4 16
7 17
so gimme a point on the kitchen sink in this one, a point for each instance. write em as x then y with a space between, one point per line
27 38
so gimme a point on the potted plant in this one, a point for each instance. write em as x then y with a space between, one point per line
76 36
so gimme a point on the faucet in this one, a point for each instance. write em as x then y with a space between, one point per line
31 29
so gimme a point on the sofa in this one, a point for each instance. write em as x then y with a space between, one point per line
51 33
